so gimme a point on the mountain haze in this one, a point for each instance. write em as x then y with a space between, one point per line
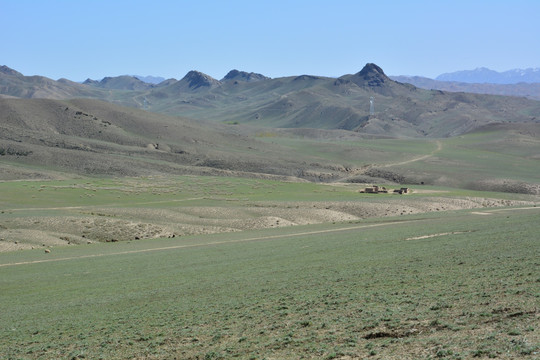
527 90
150 79
485 75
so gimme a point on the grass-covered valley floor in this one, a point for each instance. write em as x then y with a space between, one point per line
265 269
80 211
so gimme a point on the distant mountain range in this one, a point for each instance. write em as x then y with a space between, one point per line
304 101
150 79
528 90
517 82
480 75
484 75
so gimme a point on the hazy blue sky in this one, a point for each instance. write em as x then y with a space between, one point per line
79 39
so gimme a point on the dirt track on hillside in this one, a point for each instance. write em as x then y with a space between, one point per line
259 238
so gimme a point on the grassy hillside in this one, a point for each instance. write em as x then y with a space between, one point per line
96 138
58 139
500 158
461 285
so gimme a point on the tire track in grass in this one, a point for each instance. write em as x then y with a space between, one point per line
420 158
174 247
259 238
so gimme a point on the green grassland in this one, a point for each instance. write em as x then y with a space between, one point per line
450 284
455 285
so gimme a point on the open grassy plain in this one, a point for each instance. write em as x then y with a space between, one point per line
194 267
80 211
460 284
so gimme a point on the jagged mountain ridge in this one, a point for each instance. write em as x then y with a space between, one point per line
308 101
317 102
124 82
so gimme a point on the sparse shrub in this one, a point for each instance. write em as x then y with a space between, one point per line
11 151
444 353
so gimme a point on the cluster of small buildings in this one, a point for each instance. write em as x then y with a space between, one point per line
375 189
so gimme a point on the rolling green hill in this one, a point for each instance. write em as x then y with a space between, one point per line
15 84
91 137
50 138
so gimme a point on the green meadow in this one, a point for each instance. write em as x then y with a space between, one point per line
455 284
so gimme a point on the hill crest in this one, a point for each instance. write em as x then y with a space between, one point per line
196 79
244 76
9 71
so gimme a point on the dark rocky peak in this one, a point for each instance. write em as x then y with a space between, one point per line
372 69
371 78
373 75
244 76
9 71
196 79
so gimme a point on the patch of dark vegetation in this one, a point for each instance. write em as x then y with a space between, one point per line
508 186
14 152
361 180
388 334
